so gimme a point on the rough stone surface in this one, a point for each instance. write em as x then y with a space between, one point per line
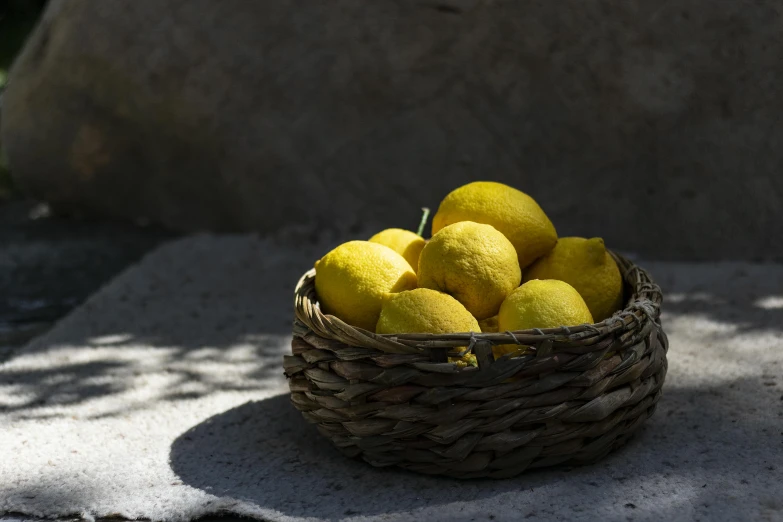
162 397
653 124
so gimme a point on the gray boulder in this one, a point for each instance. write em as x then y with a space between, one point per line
653 124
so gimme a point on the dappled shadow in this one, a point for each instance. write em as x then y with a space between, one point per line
118 383
743 297
744 314
264 452
213 314
203 316
64 385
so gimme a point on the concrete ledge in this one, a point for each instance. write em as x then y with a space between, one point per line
163 398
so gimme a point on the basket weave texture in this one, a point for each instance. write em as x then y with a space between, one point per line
568 396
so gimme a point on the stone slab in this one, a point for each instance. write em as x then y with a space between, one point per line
162 397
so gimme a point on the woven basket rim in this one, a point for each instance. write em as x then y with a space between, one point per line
642 307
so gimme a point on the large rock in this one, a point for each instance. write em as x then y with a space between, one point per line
654 124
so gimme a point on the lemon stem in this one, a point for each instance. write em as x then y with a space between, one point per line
425 213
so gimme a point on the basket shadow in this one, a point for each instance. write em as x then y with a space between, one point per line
265 453
717 447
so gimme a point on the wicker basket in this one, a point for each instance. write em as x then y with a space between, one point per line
568 396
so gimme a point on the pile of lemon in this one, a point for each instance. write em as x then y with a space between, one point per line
494 263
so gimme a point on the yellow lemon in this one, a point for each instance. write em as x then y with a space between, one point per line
541 304
406 243
472 262
426 311
512 212
352 279
489 325
587 266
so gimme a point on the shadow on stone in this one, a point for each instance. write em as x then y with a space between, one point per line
739 298
264 453
189 373
197 319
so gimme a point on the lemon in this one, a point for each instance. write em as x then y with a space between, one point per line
546 303
489 325
352 279
512 212
406 243
541 304
426 311
472 262
587 266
